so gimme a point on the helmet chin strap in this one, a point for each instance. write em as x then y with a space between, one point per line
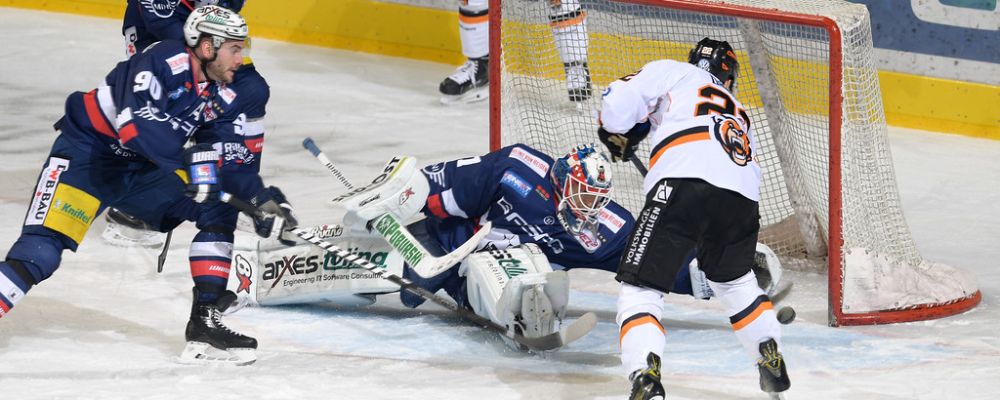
203 62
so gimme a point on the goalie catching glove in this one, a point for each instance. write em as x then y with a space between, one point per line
623 146
278 217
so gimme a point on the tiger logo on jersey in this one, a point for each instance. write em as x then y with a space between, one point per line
735 142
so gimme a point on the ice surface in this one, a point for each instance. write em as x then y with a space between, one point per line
106 326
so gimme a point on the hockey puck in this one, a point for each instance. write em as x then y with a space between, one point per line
786 315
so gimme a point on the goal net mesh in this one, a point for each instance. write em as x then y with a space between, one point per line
785 84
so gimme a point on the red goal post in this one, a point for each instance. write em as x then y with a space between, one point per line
808 79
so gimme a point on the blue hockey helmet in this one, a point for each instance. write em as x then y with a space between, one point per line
583 186
718 58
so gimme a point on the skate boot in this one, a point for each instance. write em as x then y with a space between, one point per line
646 382
578 81
469 83
125 230
771 365
209 341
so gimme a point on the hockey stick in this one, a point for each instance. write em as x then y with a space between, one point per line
310 145
162 258
786 314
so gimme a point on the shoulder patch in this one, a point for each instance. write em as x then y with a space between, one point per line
228 95
611 220
513 181
532 161
179 63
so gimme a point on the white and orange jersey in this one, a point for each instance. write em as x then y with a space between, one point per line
699 130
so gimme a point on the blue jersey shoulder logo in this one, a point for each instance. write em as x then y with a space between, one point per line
513 181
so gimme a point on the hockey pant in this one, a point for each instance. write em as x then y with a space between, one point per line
722 226
75 185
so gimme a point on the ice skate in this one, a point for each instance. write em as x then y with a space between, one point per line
771 365
646 382
578 81
469 83
209 341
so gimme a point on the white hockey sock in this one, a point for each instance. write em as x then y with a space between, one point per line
639 312
750 311
474 28
569 28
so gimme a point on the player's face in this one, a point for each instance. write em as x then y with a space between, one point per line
228 59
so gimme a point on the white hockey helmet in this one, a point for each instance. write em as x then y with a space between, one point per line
219 23
583 182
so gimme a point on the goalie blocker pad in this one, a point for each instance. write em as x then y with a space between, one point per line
500 281
400 190
268 273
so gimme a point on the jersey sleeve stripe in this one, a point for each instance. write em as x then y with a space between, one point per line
127 132
435 207
96 117
685 136
451 206
256 145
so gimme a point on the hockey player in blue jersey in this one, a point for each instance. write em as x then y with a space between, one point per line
120 145
237 133
542 212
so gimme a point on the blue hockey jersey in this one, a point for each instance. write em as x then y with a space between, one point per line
511 187
147 108
149 21
238 131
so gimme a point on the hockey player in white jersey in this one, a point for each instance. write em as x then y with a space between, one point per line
702 191
470 82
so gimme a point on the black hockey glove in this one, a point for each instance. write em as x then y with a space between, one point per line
202 162
622 146
279 217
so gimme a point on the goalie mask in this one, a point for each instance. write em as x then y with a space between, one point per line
583 185
719 59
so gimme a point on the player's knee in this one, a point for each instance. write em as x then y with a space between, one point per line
635 300
36 256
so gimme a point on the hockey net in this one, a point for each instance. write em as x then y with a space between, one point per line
808 79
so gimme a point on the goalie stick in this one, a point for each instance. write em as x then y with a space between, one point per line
786 314
552 341
310 145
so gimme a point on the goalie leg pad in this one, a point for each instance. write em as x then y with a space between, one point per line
517 288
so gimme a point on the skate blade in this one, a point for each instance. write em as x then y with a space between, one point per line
200 353
472 96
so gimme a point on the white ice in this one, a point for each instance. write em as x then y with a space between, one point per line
106 326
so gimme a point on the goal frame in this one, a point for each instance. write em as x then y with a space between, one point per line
835 241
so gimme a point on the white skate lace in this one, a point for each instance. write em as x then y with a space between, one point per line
216 317
465 73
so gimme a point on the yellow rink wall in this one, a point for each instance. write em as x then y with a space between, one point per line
430 34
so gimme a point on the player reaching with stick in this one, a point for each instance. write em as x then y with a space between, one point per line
702 191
